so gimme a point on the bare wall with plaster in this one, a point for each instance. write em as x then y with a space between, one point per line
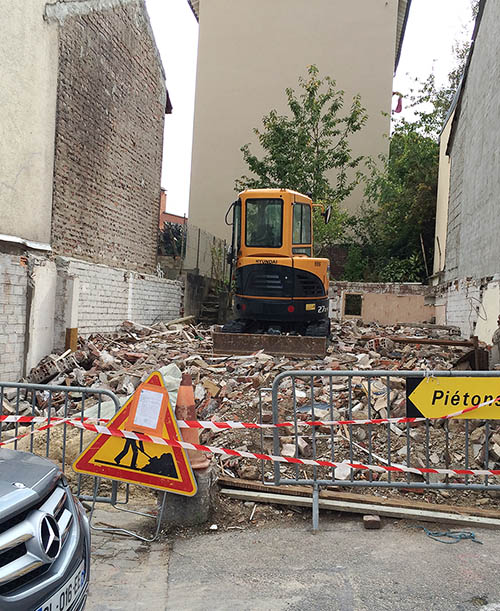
384 303
43 279
251 50
29 62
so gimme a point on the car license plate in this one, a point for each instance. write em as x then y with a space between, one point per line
66 595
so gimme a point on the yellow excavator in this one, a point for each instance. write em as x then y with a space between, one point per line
280 288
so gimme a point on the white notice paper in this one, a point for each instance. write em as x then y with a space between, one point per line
148 409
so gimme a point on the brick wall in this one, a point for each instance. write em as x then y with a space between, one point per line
152 299
13 284
463 297
108 296
109 134
469 295
471 305
473 248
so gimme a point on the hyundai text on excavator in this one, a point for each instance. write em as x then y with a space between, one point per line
280 288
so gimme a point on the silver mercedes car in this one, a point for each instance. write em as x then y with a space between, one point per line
44 537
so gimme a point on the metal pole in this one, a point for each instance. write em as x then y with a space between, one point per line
198 251
315 507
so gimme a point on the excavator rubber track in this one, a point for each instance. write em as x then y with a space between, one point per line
299 346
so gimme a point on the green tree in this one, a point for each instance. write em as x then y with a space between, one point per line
394 232
395 227
301 148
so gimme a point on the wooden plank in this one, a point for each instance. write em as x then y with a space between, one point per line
354 497
363 508
278 345
71 342
421 340
428 325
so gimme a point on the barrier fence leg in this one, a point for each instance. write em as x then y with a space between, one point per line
315 507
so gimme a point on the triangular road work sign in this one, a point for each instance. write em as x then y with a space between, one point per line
140 462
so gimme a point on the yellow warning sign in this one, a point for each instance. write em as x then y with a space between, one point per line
438 397
141 462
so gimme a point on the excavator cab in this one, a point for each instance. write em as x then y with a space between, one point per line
280 287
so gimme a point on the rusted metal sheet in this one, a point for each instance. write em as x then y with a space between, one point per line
279 345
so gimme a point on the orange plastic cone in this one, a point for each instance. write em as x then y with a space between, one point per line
185 410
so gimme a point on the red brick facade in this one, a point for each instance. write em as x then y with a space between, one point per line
109 136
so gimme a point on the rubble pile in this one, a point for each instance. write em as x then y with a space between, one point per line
228 387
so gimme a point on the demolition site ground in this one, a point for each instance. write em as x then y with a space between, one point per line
256 555
235 388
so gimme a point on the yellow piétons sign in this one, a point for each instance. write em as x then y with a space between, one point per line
438 397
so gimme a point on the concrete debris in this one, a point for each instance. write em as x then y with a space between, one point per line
8 409
227 388
50 367
288 449
305 449
372 522
342 472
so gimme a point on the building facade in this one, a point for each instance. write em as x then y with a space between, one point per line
250 51
83 102
467 266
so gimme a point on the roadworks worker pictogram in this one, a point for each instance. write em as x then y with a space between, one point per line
142 462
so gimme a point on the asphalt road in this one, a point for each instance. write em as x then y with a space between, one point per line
126 573
341 568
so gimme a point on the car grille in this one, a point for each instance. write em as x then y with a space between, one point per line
25 553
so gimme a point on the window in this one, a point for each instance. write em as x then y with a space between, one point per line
352 304
301 224
237 226
264 223
303 250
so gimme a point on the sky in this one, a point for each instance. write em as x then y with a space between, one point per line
433 27
176 33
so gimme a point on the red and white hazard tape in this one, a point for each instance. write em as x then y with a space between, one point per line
208 424
38 419
268 457
42 419
231 424
86 424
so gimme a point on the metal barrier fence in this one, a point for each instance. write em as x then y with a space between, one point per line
18 399
48 401
366 395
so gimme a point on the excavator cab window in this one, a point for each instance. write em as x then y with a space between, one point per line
264 223
237 226
301 228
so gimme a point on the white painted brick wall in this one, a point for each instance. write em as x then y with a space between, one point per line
108 296
464 304
13 283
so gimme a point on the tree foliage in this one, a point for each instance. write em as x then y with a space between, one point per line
394 232
399 213
302 148
173 238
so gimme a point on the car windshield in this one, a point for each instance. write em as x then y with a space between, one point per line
264 223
